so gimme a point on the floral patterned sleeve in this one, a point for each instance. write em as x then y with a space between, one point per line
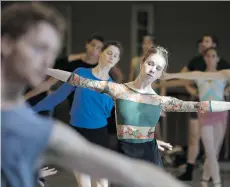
171 104
107 87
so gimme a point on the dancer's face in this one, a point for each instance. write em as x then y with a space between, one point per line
147 43
207 42
153 67
211 58
93 48
110 56
29 56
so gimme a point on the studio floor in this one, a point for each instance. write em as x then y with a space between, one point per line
66 179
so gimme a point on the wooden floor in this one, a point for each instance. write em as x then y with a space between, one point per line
66 179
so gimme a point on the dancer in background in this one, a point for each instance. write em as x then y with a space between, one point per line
89 110
197 63
213 124
30 41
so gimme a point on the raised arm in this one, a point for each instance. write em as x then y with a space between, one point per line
110 88
44 87
198 75
103 163
171 104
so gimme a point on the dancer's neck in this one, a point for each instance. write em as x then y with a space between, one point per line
101 72
211 68
89 59
141 85
11 89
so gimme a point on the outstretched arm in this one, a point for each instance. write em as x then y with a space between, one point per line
198 75
103 163
77 56
107 87
54 99
44 87
171 104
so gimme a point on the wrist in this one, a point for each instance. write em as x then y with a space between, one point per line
206 106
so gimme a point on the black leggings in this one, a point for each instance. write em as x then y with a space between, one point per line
98 136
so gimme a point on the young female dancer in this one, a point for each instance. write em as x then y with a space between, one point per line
213 124
30 40
90 109
138 107
148 41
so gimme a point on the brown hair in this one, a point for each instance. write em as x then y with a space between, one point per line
113 43
157 50
18 18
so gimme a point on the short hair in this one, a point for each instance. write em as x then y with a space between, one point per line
157 50
214 38
96 36
113 43
18 18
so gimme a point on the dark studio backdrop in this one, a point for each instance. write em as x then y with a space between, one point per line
177 26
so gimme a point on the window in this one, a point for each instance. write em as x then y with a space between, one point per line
142 23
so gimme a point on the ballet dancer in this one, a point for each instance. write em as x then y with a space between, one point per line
89 109
197 63
147 42
30 41
213 124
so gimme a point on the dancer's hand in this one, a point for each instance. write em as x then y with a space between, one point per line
162 145
45 172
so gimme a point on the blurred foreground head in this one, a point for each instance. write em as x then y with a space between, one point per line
31 38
